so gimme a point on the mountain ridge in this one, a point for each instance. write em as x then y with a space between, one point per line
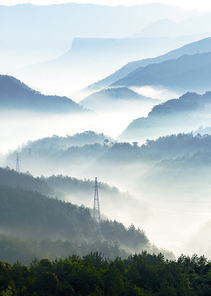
188 74
203 45
16 95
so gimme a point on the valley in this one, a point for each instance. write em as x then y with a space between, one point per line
129 102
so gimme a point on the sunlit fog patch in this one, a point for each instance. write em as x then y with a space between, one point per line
155 92
18 127
200 241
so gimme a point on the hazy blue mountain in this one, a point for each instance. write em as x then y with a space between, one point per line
201 46
119 93
168 28
117 99
159 28
16 95
187 73
115 95
78 20
32 34
91 59
177 115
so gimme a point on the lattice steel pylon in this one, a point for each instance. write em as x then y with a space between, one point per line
96 207
17 164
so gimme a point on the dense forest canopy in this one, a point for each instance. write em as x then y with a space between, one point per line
140 274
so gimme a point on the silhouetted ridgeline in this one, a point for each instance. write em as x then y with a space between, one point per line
141 274
184 114
190 73
119 93
16 95
161 148
58 143
200 46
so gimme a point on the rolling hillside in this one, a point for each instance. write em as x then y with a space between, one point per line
16 95
184 114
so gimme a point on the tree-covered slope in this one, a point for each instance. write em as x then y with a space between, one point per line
57 143
184 114
24 180
119 152
14 249
16 95
29 214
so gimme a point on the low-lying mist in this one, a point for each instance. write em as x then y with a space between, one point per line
18 127
168 195
165 183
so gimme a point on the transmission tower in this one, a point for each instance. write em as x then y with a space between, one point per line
96 207
17 164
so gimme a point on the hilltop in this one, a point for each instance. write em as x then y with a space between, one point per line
16 95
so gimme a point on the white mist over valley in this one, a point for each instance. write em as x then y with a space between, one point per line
118 93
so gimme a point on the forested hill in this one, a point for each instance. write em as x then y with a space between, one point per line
77 191
121 152
172 116
16 95
24 180
31 215
188 102
56 142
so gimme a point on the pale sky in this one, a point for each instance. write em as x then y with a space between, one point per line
185 4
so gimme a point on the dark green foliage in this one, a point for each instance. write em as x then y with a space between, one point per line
33 216
30 214
140 274
134 239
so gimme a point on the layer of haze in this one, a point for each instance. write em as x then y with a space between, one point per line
187 5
